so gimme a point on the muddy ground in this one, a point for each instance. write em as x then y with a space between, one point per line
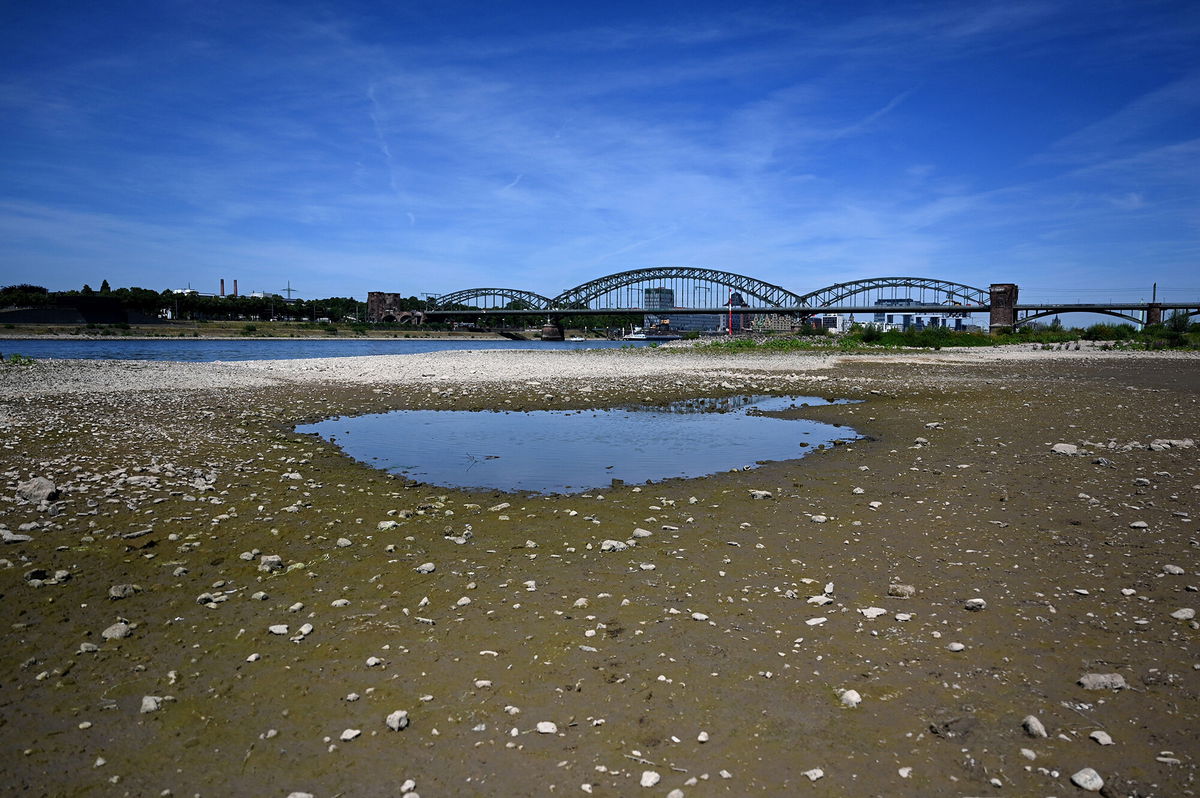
173 496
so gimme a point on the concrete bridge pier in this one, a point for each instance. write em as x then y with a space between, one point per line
1154 313
552 330
1004 307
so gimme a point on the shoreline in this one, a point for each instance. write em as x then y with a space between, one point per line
178 476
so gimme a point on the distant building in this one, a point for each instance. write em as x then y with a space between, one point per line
903 321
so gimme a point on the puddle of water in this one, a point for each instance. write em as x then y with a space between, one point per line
569 451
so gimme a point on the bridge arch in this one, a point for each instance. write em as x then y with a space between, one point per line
1043 314
766 293
464 297
936 292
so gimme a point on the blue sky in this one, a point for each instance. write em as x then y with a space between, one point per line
432 146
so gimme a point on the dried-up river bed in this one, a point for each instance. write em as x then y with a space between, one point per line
275 607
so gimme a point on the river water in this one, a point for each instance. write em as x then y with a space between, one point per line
201 350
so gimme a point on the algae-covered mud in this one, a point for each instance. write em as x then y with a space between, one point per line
990 593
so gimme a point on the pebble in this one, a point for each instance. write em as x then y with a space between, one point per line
956 647
1101 737
699 616
702 737
975 604
1065 448
1185 614
1102 681
116 631
613 545
851 698
819 519
814 774
650 778
1174 570
1088 779
426 568
350 734
547 727
873 612
398 720
151 703
344 543
278 629
1033 727
761 494
901 591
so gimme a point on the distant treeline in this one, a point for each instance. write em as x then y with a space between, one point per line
159 304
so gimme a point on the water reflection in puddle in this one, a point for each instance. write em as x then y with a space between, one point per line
567 451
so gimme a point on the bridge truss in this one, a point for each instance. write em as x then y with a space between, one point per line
691 287
917 290
511 297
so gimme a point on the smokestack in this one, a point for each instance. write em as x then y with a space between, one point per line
235 287
222 286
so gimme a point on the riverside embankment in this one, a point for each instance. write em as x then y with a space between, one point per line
269 603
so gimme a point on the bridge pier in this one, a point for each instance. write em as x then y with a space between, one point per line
1004 307
1154 313
552 330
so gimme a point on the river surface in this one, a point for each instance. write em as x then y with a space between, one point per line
569 451
201 350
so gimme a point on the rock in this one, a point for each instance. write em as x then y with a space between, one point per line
650 778
1101 737
1088 779
761 494
117 631
426 568
819 519
12 537
873 612
344 543
901 591
699 616
1185 614
37 490
278 629
851 698
350 734
956 647
270 562
642 533
151 703
1139 525
1102 681
398 720
702 737
975 604
1033 727
547 727
613 545
1065 448
814 774
117 592
1173 570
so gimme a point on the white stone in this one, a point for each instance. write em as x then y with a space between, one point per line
956 647
547 727
975 604
873 612
1101 737
350 734
814 774
1174 570
1033 727
1088 779
1102 681
1185 614
699 616
816 621
398 720
702 737
151 703
1065 448
278 629
650 778
851 698
819 519
613 545
426 568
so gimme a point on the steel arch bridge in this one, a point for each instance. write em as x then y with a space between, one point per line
532 300
766 293
933 292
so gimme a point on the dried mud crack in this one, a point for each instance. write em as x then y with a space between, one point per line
201 601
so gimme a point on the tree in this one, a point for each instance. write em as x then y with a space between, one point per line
87 290
104 287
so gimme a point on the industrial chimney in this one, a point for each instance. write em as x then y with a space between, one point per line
222 286
235 288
